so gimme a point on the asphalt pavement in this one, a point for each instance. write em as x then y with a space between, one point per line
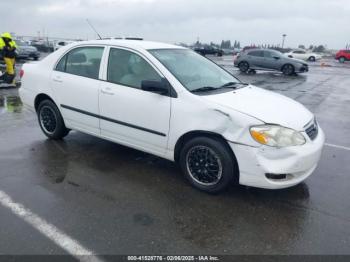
110 199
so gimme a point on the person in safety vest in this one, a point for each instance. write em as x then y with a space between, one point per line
8 50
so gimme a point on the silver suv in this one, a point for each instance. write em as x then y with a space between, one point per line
266 59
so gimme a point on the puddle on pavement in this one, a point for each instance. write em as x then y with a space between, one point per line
10 104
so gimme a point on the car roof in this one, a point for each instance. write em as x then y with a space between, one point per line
136 44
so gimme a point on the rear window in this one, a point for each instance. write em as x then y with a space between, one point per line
256 53
82 61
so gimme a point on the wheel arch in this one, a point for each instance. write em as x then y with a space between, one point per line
199 133
285 64
41 97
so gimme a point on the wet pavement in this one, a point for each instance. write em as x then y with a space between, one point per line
115 200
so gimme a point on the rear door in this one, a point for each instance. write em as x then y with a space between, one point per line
75 83
256 59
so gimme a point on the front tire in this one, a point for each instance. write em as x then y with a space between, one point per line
208 164
51 121
288 69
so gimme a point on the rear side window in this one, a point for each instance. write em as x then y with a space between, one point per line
82 61
61 66
129 69
256 53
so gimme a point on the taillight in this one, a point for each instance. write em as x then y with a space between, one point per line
21 73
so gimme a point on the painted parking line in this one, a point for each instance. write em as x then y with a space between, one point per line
339 147
61 239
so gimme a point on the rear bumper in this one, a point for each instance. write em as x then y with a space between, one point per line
297 163
34 54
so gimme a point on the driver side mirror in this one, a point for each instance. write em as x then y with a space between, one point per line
161 87
276 57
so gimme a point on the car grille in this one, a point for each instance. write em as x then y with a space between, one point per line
312 130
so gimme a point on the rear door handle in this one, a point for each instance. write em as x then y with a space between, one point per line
57 79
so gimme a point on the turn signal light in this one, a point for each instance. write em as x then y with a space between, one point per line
259 137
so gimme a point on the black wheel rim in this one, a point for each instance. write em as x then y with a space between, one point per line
48 119
244 67
204 165
288 69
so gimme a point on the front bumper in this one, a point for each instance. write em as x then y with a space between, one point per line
296 162
303 69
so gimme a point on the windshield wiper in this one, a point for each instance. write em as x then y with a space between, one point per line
204 89
211 88
233 84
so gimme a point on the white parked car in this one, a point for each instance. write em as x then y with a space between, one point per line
171 102
303 55
60 44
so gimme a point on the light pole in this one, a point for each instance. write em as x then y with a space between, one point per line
284 37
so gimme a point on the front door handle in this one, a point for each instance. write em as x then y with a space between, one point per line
107 91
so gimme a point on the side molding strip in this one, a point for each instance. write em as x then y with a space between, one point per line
113 120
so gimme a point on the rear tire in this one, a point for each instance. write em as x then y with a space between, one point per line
208 164
243 66
51 121
312 59
342 59
288 69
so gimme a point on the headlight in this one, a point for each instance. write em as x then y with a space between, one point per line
277 136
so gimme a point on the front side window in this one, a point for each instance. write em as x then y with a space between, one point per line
129 69
272 54
192 70
82 61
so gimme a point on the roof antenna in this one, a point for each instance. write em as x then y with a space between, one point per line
93 28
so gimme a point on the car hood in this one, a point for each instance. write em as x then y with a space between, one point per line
297 60
264 105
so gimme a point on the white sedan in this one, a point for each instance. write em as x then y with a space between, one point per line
171 102
303 55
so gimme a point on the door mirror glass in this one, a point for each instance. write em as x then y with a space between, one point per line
276 57
160 87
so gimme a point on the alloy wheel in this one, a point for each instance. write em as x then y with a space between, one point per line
204 165
48 119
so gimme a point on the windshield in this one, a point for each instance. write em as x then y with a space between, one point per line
192 70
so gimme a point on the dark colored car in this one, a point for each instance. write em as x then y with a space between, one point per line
267 59
26 51
209 50
343 55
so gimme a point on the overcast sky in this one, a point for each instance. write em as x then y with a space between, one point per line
249 21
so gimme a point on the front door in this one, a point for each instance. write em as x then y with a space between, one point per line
129 115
